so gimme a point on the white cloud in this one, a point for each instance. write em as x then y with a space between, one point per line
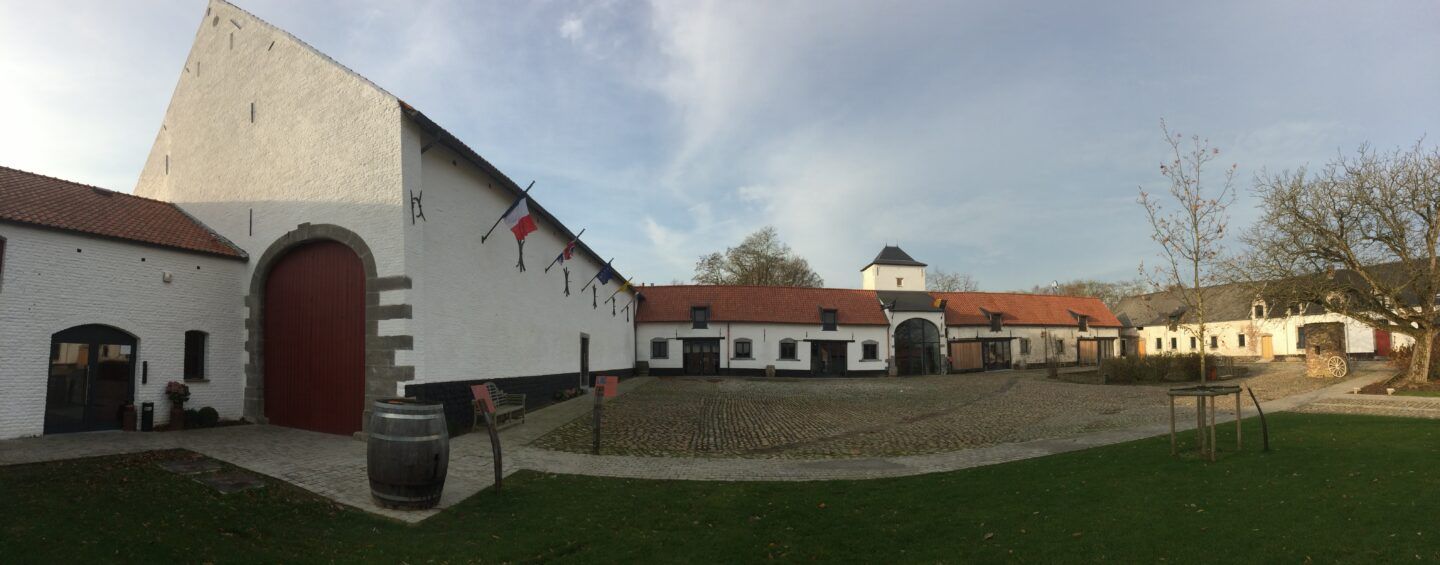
572 29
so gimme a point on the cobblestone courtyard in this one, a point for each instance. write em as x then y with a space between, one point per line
813 418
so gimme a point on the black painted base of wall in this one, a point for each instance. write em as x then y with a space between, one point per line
786 373
539 390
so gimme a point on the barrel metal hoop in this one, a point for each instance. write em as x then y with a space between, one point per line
406 438
394 416
403 498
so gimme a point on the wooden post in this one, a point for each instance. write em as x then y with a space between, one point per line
1200 424
1237 419
495 448
1212 429
1172 426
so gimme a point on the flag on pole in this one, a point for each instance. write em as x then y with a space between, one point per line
519 220
937 303
622 288
603 276
521 223
567 253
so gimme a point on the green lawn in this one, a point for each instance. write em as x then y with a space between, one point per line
1335 488
1417 393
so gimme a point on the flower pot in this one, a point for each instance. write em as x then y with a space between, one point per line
177 417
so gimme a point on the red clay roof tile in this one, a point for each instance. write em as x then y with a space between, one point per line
766 304
28 198
968 309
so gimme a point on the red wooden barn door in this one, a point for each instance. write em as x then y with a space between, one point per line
315 339
1382 343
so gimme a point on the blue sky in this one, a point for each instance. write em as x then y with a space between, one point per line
1003 139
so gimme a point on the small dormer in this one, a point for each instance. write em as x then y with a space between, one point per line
996 319
893 269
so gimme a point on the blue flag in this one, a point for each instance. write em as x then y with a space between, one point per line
605 274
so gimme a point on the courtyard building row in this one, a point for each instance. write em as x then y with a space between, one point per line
1241 323
892 325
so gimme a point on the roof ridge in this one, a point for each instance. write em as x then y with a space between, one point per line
1012 293
752 286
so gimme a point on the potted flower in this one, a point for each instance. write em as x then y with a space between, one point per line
178 393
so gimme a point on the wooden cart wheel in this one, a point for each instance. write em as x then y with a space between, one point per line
1338 366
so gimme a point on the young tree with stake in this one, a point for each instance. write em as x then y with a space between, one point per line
1190 235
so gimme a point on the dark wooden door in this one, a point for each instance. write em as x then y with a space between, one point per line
585 379
702 356
827 358
315 339
1382 343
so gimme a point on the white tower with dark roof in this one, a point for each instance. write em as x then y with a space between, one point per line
893 269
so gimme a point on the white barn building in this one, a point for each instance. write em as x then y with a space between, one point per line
1240 324
324 286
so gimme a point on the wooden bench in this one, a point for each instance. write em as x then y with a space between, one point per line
509 408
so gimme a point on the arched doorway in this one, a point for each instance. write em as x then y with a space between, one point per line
917 347
314 363
91 379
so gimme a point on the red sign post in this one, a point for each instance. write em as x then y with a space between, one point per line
605 387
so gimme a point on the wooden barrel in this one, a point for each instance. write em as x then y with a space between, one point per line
409 453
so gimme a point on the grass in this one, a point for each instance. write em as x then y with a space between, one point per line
1334 489
1432 393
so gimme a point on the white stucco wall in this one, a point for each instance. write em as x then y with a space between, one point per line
1284 332
765 344
477 316
323 146
47 286
882 277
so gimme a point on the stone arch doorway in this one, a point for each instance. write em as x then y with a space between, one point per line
377 375
917 347
91 379
315 339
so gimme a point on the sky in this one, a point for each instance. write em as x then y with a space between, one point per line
1007 140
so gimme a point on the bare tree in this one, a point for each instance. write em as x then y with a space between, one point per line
760 260
1109 292
940 280
1359 237
1190 235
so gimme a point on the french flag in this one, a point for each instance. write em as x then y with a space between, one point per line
519 220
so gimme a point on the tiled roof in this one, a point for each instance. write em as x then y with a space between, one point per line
968 308
766 304
893 255
28 198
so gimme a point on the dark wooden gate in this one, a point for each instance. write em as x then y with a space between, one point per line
315 339
828 358
702 356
